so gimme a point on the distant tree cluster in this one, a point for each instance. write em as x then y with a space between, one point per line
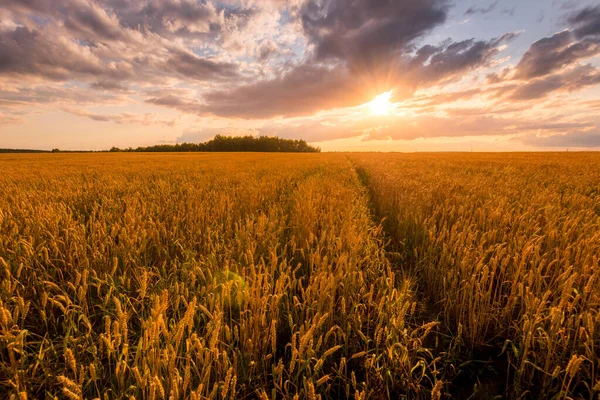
219 143
229 143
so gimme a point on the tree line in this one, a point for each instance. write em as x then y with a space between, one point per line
220 143
231 144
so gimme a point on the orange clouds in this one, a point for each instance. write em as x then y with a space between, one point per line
297 68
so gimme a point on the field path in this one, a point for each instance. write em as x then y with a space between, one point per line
479 376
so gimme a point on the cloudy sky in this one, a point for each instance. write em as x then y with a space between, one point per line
447 75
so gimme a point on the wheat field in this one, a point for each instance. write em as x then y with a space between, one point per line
299 276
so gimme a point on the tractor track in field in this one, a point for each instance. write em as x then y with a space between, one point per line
469 375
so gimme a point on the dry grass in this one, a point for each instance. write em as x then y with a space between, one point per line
221 276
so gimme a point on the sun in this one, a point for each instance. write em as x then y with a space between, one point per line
381 105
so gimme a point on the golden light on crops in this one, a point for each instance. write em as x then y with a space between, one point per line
382 105
157 277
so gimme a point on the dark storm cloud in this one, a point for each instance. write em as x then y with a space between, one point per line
433 64
316 87
31 52
86 19
569 81
553 53
341 54
364 32
39 7
586 22
356 43
360 48
306 89
110 43
90 21
36 53
481 10
370 44
80 40
103 19
168 17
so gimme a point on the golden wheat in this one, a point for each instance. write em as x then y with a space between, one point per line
506 251
111 285
219 276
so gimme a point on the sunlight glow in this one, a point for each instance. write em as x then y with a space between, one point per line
381 105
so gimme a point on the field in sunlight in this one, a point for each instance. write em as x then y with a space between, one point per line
300 276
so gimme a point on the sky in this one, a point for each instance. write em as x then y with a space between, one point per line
345 75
